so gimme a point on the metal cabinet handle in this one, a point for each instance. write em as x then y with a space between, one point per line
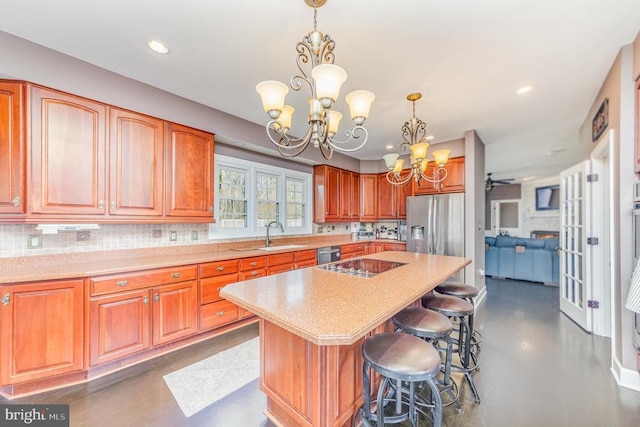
145 300
253 263
16 201
6 299
113 205
122 283
254 273
156 297
101 204
220 313
220 268
175 275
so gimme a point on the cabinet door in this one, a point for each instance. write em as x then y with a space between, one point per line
326 195
386 198
426 187
119 325
41 329
402 193
174 312
67 154
355 196
136 146
189 172
368 197
12 149
455 176
345 191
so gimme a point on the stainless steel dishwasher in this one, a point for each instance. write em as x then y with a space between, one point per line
328 254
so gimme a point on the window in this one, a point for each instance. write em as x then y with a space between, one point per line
250 195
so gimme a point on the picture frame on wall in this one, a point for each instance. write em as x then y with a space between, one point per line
548 198
600 120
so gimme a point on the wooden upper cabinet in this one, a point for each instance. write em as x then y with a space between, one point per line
67 154
189 158
12 148
349 191
41 328
369 197
453 183
392 199
326 194
136 146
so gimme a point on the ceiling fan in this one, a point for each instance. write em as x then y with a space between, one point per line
490 183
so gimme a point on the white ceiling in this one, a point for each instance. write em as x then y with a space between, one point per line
467 57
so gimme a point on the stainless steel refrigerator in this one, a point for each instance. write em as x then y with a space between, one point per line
435 225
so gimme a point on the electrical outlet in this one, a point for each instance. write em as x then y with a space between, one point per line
83 236
156 234
34 241
194 235
173 236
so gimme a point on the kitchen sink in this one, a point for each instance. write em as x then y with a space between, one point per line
281 247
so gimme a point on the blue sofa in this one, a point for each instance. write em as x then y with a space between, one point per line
535 260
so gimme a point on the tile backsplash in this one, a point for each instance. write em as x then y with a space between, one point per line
15 240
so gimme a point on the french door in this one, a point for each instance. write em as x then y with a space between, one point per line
575 286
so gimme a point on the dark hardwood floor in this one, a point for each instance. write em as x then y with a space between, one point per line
537 369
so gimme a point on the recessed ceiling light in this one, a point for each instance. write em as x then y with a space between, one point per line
389 147
430 137
157 46
524 89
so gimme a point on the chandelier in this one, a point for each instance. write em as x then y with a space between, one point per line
315 62
414 133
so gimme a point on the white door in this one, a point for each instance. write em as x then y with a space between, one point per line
575 289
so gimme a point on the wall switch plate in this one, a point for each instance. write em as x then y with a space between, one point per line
34 241
83 236
194 235
173 236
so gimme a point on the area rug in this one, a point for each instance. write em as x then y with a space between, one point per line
199 385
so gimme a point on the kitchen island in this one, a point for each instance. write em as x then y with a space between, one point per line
312 325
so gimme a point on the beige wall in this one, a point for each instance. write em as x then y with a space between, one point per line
474 209
636 57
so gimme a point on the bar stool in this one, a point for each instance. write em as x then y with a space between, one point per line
432 327
460 310
401 360
468 293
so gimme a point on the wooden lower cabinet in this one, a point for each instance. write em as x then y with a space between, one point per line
41 330
122 324
352 250
218 313
174 312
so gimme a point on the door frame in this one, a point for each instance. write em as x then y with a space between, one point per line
495 217
602 226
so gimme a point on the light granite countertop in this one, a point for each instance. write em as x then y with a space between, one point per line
77 265
330 308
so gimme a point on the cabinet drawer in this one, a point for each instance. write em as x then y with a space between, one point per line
141 279
348 249
281 268
305 255
252 274
210 287
219 268
306 263
253 263
394 247
217 314
278 259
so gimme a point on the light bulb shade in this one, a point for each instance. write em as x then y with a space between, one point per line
285 116
398 166
441 156
390 160
334 121
328 80
272 94
359 103
419 150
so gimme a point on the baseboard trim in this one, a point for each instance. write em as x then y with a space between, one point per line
482 295
627 378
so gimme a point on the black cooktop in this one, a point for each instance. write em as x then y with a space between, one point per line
364 267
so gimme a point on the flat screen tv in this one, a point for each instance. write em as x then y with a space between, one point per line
548 198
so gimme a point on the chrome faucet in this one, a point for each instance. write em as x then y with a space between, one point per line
278 224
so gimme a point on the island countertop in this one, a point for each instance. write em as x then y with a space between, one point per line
331 308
